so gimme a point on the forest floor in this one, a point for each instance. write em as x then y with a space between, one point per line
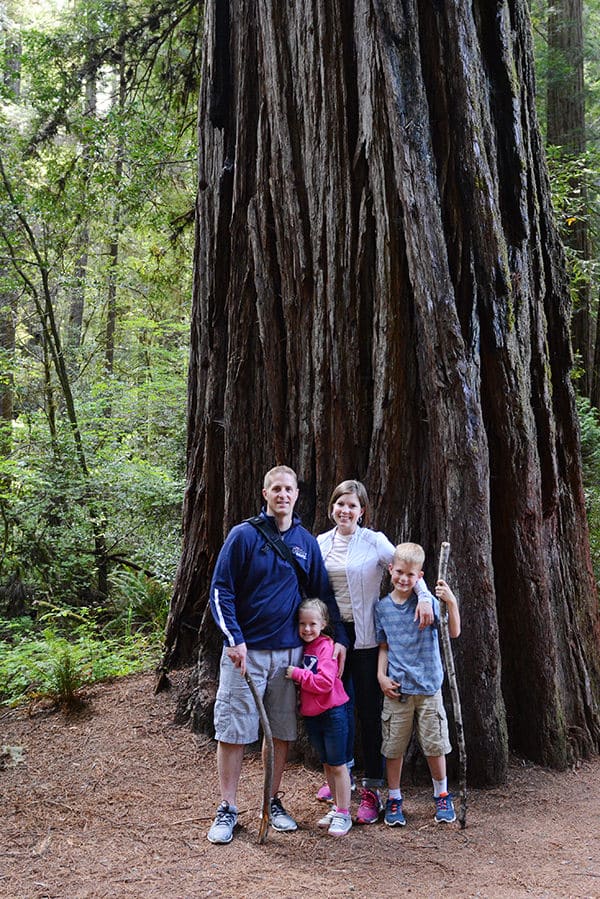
116 802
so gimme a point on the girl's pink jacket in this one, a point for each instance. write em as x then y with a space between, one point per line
320 686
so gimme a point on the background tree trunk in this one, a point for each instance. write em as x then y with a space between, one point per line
595 390
113 249
380 292
77 293
566 129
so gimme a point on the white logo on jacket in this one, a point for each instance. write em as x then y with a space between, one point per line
310 662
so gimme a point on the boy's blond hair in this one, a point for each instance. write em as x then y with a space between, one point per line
412 553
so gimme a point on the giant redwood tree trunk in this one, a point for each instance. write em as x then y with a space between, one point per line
380 293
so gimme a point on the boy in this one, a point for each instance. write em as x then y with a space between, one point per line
410 675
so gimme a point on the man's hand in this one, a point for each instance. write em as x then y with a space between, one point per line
237 654
339 653
424 613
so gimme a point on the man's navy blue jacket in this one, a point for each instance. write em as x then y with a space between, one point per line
254 593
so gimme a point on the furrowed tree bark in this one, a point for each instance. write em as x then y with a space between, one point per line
380 293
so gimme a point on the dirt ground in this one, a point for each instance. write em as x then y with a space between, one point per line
116 802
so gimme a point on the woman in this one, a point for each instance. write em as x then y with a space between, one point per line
356 559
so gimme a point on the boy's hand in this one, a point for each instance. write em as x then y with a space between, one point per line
390 688
443 592
289 672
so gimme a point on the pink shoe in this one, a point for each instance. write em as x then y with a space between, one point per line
324 794
370 807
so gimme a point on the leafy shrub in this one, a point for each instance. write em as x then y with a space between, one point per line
64 650
589 420
141 602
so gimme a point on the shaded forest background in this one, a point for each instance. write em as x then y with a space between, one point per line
98 181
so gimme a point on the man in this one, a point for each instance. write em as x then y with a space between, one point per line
254 597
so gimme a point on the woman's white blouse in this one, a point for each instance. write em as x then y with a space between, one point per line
369 554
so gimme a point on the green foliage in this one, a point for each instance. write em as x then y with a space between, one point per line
589 419
98 158
65 650
576 200
141 602
45 509
65 678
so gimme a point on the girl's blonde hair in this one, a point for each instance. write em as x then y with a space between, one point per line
319 605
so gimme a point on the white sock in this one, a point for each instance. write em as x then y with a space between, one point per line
394 794
440 786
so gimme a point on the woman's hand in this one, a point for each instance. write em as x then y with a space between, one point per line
424 613
339 653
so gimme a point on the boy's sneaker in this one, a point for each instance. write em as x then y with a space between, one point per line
280 820
340 824
394 816
324 794
370 806
222 827
444 810
326 820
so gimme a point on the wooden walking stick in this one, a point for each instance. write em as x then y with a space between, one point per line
453 684
268 756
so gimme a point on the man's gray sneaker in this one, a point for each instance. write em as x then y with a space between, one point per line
222 827
280 820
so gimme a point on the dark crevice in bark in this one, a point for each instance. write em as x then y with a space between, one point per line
496 39
220 87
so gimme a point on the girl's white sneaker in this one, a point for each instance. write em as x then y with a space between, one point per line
340 824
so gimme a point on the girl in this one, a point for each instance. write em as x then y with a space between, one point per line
322 703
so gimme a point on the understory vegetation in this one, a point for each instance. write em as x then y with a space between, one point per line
97 184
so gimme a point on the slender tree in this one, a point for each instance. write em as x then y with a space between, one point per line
8 304
77 300
113 250
380 292
11 83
